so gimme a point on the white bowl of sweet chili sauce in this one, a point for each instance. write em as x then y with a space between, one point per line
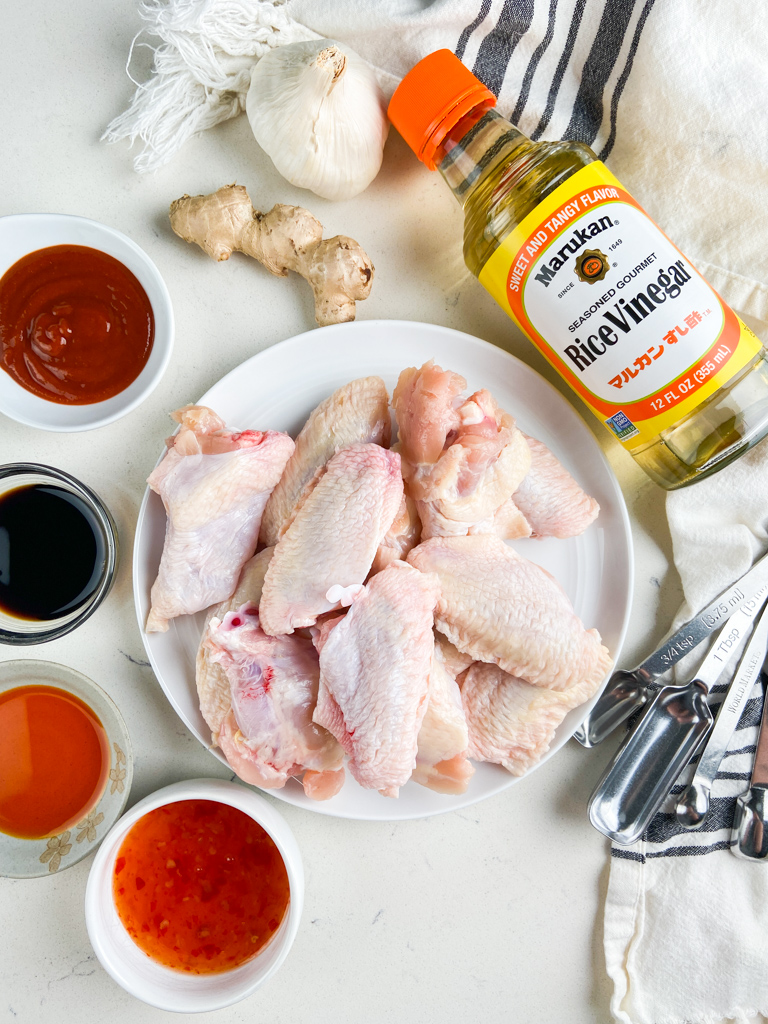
86 322
182 885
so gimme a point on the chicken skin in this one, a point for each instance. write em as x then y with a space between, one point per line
501 608
403 534
356 412
269 736
214 484
210 678
462 459
443 741
327 550
375 665
548 499
511 722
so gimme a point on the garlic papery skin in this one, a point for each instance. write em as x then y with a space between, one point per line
317 110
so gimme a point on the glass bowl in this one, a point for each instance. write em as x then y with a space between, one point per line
24 233
161 986
23 632
30 858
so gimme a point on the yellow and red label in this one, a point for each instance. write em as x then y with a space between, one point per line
616 308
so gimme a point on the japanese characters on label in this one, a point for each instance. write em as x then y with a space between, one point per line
616 308
653 316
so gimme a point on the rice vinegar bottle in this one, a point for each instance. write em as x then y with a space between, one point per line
585 273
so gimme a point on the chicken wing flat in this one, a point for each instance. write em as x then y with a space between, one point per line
214 484
501 608
332 539
511 722
374 673
357 412
549 498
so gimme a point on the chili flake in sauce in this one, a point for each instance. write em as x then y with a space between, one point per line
200 886
76 326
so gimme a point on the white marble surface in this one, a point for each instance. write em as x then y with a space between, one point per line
493 913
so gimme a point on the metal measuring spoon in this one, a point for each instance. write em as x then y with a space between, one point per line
670 731
628 690
693 805
749 837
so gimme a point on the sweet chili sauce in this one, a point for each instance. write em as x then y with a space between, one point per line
54 759
76 326
200 886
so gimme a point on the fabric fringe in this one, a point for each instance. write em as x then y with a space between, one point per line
202 69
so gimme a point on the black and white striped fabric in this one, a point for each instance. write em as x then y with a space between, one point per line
559 67
686 922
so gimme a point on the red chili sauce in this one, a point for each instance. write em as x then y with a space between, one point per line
200 886
76 326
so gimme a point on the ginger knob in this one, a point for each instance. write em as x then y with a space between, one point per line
286 238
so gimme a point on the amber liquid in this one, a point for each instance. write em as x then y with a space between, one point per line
52 552
54 760
500 176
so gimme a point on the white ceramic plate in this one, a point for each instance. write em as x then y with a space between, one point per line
278 388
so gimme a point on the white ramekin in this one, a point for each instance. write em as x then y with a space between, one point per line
23 233
143 977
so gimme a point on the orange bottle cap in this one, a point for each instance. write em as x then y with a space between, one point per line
431 99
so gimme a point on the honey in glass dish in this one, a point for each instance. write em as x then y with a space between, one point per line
200 886
54 761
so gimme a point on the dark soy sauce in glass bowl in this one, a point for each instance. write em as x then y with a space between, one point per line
52 552
58 553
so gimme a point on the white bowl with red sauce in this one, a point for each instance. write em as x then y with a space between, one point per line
57 324
117 866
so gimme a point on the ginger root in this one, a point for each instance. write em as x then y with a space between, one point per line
286 238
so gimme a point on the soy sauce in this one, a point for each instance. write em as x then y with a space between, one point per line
52 552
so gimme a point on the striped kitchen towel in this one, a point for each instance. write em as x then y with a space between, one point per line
686 922
671 94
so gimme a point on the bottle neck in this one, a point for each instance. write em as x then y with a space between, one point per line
474 146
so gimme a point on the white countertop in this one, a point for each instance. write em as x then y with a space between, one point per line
493 913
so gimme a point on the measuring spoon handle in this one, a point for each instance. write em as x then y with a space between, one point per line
628 690
693 805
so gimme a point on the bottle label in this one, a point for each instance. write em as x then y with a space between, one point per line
616 308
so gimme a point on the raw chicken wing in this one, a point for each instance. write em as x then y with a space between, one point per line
210 678
359 411
269 736
327 550
403 534
443 741
214 484
511 722
374 672
461 459
548 499
501 608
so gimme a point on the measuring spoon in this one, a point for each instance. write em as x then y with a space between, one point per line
628 690
749 837
693 805
669 732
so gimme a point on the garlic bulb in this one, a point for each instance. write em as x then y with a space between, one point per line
317 110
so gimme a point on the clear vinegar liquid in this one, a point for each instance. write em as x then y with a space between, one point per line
499 176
